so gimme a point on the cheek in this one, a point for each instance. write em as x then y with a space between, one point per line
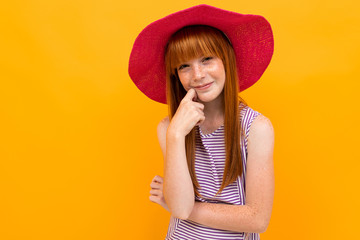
184 82
220 72
223 74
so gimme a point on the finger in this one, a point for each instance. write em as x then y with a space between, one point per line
154 199
155 185
190 95
155 192
200 112
201 121
199 105
158 178
200 116
195 98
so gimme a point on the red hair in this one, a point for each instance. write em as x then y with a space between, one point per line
192 42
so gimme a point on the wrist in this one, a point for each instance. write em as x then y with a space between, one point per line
174 135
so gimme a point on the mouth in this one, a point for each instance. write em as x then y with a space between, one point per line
204 86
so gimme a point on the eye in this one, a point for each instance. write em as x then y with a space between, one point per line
183 66
207 59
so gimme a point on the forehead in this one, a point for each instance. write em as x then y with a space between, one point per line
186 52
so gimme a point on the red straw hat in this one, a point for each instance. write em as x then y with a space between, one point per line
250 35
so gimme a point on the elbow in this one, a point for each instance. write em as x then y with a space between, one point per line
180 208
259 220
182 212
261 225
181 215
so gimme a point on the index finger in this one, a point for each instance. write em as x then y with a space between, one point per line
191 95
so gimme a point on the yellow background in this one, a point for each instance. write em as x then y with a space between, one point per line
78 144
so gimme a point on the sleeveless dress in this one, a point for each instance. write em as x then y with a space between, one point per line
209 168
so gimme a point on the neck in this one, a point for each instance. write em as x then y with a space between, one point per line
214 111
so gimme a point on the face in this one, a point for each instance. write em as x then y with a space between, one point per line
206 75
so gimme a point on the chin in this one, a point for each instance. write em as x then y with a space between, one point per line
206 99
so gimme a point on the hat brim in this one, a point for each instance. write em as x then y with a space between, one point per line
250 35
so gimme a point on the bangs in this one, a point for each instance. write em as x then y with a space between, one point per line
193 42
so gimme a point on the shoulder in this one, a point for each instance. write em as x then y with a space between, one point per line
261 124
248 116
261 135
161 133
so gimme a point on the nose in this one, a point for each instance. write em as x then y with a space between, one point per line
198 72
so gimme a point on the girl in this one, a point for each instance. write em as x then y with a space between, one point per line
212 142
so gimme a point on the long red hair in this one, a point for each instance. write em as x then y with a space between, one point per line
192 42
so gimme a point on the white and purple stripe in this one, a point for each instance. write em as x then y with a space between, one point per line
209 168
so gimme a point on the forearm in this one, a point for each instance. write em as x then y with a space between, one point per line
238 218
178 187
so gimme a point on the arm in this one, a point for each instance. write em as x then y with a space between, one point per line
178 188
177 185
254 216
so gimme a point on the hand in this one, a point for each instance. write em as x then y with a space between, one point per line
189 114
156 192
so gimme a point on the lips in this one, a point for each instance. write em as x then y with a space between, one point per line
204 86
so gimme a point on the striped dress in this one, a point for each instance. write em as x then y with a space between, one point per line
209 168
